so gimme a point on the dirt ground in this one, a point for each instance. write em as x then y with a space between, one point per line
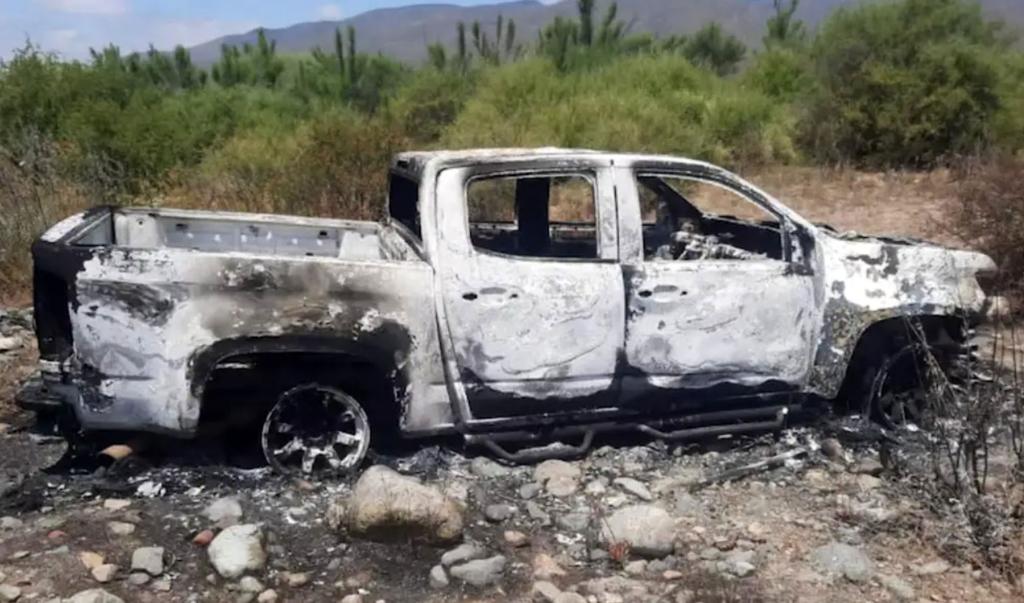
833 523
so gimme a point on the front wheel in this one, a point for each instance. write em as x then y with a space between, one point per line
316 431
905 387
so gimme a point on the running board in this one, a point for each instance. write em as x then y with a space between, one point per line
692 427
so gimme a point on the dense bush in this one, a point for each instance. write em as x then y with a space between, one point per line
658 103
905 83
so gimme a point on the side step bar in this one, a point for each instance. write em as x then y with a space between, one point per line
691 427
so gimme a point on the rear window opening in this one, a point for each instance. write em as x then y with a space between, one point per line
534 216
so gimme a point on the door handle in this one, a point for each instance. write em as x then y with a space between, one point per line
661 292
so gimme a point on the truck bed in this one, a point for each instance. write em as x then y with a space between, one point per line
235 232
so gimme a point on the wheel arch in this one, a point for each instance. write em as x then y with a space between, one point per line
367 373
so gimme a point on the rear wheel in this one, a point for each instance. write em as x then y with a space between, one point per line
902 390
316 431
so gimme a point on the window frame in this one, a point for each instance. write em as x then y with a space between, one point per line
785 225
588 173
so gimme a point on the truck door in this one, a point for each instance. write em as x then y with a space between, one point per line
533 296
719 301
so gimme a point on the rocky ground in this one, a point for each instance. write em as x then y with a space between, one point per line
828 520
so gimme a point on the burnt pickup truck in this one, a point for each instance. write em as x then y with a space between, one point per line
523 299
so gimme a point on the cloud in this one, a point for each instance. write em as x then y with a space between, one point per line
88 7
329 12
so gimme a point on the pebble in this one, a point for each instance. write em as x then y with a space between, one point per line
250 585
498 513
224 512
149 559
203 538
545 567
120 528
634 487
832 449
267 596
104 573
545 592
9 592
296 579
480 572
438 577
897 586
529 490
355 598
515 538
462 553
484 467
116 504
10 523
138 578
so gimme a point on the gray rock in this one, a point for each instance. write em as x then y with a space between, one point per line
499 512
236 550
120 528
574 522
897 586
384 502
568 597
545 592
249 584
832 449
267 596
10 523
94 595
537 513
739 563
648 530
480 572
354 598
686 504
438 578
868 466
559 478
463 553
104 573
844 560
9 592
149 559
484 467
529 490
931 568
224 512
138 578
634 487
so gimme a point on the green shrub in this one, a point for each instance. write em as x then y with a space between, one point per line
655 103
904 83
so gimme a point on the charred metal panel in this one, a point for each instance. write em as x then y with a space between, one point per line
527 328
866 280
144 315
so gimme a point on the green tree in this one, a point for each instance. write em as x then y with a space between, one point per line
783 28
905 83
714 49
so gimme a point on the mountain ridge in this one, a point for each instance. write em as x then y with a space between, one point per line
404 32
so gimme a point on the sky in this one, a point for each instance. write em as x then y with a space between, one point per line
71 27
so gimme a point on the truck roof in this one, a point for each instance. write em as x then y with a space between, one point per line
412 163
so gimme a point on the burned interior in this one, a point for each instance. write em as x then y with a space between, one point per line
511 296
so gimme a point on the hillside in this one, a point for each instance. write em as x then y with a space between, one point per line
404 32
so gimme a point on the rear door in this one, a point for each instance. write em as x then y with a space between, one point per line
718 304
532 291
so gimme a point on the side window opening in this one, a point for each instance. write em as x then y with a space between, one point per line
686 219
403 203
537 216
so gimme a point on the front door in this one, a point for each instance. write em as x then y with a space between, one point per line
716 306
532 291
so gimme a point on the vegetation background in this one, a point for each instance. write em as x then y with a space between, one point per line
901 85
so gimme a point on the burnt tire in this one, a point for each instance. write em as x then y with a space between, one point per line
901 387
315 431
